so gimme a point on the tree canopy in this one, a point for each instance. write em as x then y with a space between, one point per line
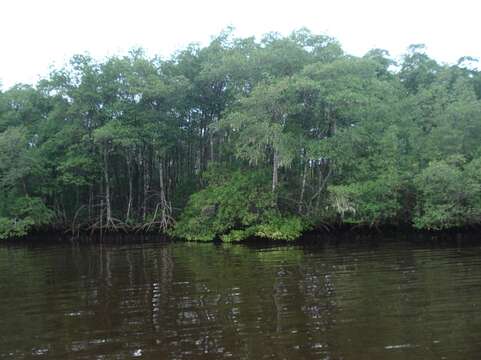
243 138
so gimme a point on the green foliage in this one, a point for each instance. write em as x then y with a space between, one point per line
235 206
260 124
230 201
281 228
243 139
76 170
16 162
448 195
371 202
25 214
13 228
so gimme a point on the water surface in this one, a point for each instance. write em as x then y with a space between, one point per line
157 300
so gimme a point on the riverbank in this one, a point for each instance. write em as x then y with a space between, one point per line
342 232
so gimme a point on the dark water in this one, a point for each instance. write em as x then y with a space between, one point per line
391 300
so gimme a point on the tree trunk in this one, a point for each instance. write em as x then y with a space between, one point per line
161 182
108 206
24 185
101 210
275 168
91 201
139 182
131 187
303 187
322 181
331 120
319 189
211 142
146 188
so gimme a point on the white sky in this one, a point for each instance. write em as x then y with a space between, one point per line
35 34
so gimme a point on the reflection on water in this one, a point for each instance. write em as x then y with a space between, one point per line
396 300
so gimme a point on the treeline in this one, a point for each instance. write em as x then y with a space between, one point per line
243 138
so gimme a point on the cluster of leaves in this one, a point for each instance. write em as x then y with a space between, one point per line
371 202
233 206
26 214
449 194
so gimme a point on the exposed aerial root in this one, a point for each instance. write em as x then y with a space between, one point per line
108 225
161 219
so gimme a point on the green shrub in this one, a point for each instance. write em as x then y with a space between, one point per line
369 202
25 214
449 195
234 206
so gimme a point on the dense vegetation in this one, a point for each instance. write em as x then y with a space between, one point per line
243 138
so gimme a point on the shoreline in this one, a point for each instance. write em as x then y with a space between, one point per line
340 232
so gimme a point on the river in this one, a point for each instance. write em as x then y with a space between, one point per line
360 299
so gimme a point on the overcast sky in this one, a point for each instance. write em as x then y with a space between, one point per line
35 34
